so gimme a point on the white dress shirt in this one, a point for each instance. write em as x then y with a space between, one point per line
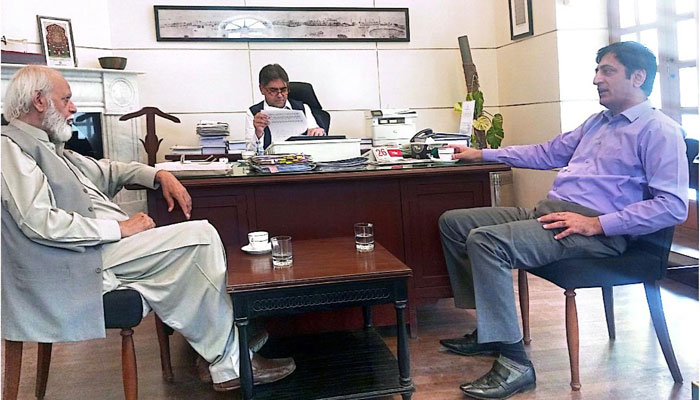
252 140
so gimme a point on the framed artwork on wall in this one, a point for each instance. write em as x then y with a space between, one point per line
520 18
281 24
57 41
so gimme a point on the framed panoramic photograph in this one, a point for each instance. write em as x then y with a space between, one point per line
520 18
57 41
281 24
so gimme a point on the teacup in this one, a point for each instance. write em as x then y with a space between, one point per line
258 240
445 153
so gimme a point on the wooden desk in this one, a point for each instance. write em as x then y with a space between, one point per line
326 274
404 205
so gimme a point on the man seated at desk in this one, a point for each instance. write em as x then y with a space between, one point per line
274 85
623 173
65 243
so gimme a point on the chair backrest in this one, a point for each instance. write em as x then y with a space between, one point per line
691 146
657 244
304 92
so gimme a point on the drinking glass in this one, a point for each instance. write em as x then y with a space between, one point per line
281 251
364 236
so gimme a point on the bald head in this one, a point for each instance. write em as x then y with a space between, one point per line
41 97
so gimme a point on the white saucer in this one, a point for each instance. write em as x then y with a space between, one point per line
249 250
437 160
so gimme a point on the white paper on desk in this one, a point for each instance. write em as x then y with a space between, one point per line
465 123
189 168
285 123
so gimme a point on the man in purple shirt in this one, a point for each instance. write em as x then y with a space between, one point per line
623 173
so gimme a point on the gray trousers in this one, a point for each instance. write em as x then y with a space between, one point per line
483 245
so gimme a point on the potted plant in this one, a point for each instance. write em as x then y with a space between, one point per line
487 129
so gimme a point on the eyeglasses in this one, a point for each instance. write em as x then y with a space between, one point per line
275 91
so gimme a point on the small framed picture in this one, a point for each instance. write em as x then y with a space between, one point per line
520 18
57 41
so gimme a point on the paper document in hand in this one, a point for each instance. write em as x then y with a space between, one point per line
285 123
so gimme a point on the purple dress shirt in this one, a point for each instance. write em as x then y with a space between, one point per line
631 167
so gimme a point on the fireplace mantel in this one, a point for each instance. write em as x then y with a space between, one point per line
112 93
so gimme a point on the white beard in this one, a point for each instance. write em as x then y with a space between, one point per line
56 125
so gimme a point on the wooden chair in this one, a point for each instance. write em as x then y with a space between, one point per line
645 261
123 310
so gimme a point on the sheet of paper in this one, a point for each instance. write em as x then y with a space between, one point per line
465 123
285 123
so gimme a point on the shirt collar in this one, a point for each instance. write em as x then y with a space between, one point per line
633 112
266 106
37 133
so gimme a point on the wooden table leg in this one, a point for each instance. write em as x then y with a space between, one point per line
367 313
402 346
245 365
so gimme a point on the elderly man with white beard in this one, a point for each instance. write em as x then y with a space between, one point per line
65 243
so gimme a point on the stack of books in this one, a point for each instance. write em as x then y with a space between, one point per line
212 136
235 146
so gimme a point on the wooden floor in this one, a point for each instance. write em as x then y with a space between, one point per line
631 367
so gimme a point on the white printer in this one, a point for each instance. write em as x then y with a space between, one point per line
391 126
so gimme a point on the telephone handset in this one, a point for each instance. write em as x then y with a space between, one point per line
420 136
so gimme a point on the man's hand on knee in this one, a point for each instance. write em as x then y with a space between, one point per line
571 223
138 223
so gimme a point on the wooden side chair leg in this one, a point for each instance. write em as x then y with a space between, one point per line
657 317
572 337
42 369
164 333
12 369
524 295
608 303
129 374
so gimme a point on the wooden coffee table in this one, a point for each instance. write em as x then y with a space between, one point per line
327 274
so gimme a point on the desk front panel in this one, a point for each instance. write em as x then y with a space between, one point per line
404 207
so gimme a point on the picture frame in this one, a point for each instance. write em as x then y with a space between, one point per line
57 41
281 24
520 12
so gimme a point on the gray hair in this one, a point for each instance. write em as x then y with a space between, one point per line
22 87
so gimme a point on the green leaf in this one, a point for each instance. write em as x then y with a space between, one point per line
478 103
458 106
494 136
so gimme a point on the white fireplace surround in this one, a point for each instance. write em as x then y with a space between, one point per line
112 93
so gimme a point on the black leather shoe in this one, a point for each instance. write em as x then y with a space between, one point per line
505 379
469 346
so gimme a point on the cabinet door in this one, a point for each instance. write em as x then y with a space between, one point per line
226 208
424 200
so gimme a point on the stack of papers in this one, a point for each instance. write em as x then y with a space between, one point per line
271 164
235 146
183 149
212 136
212 128
194 168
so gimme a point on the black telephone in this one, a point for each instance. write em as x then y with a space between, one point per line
420 136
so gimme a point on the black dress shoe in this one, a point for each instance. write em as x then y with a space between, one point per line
505 379
468 345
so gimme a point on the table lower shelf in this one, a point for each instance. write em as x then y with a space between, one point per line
334 365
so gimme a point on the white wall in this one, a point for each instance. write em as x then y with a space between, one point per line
202 80
545 80
541 84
